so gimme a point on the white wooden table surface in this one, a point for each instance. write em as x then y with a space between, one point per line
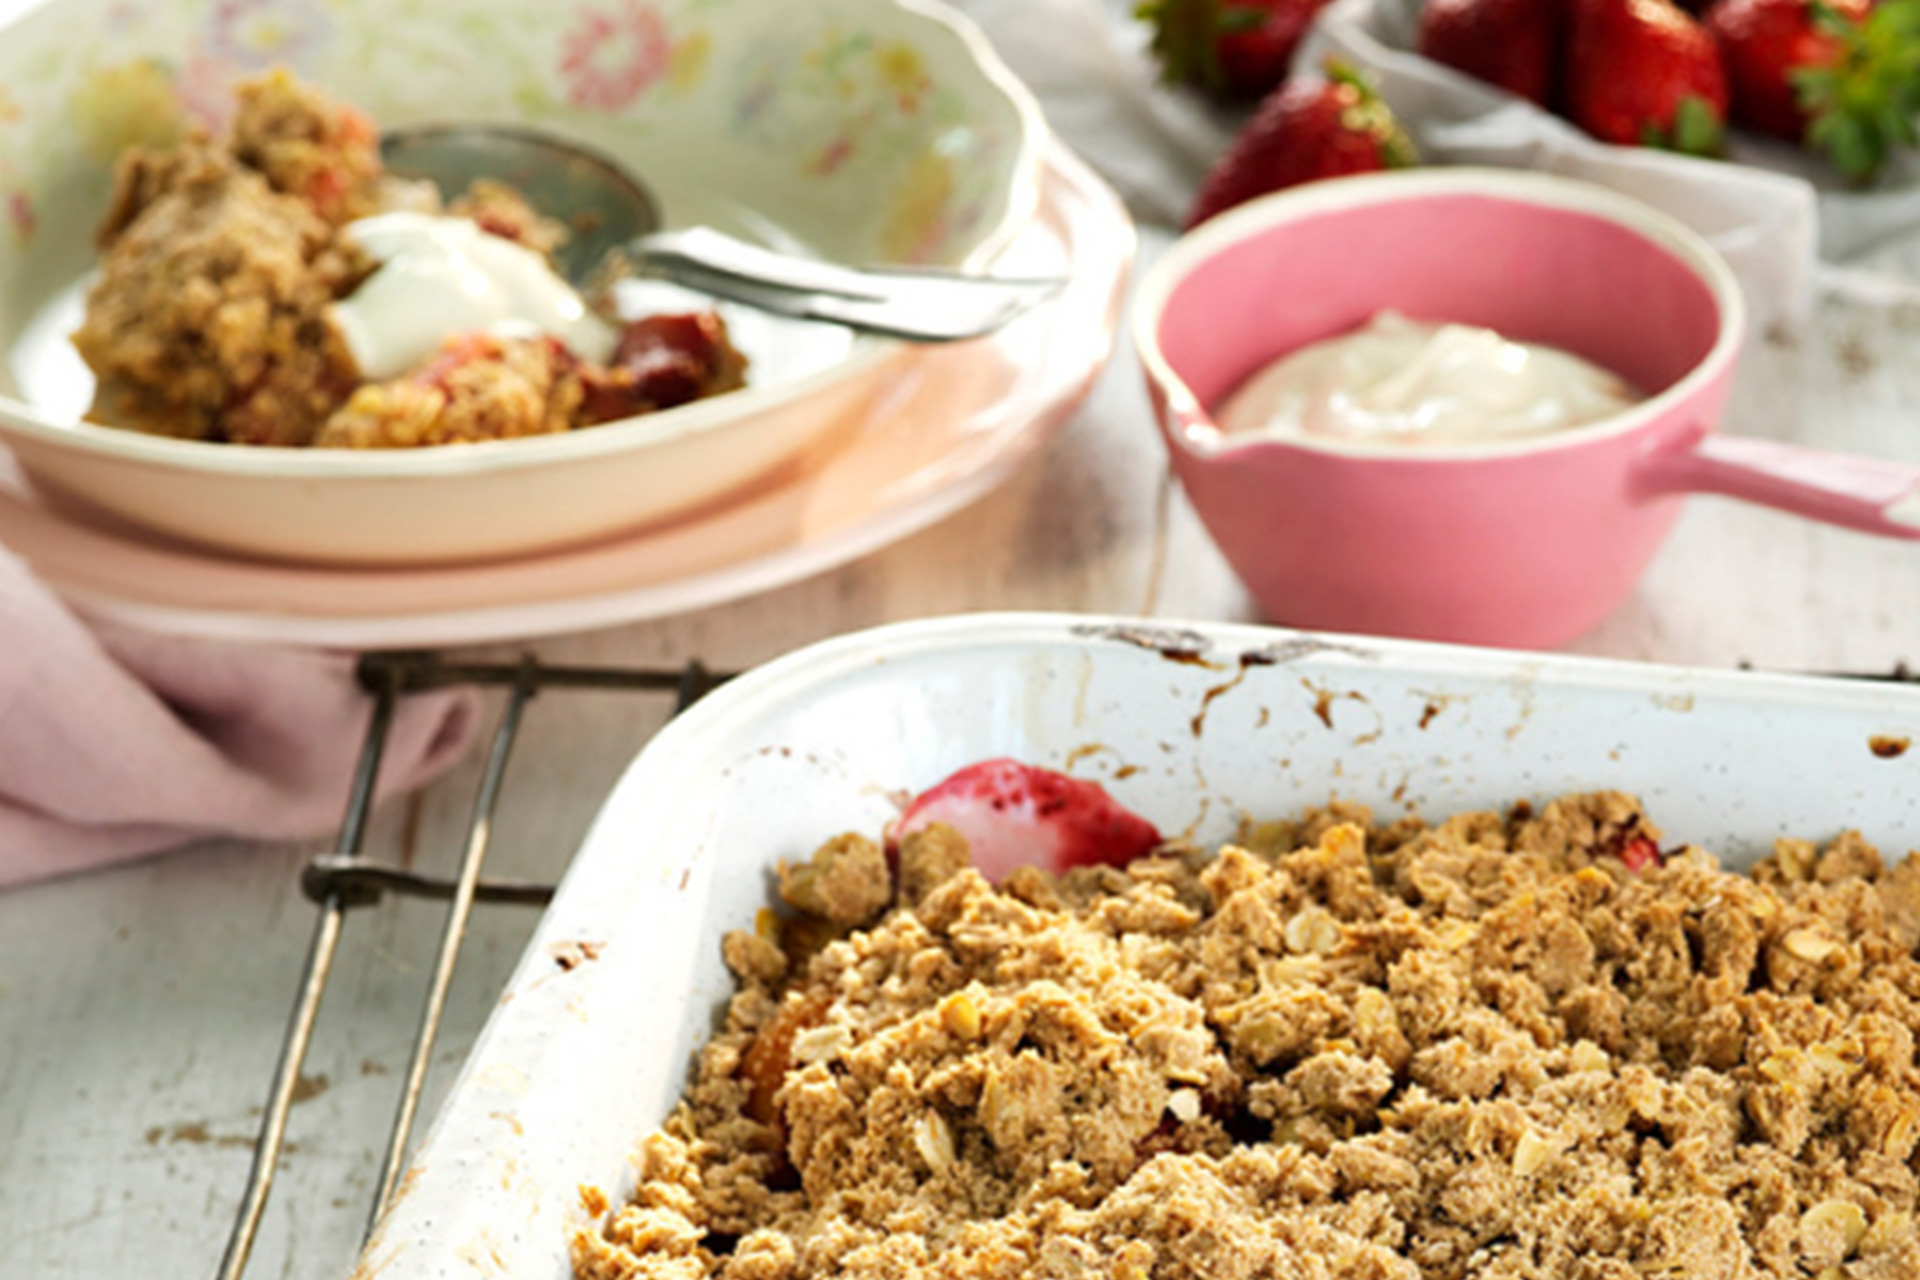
141 1010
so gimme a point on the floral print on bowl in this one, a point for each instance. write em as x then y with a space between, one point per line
868 127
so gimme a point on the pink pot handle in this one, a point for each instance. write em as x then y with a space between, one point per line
1874 495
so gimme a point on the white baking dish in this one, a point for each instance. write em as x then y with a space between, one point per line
1194 726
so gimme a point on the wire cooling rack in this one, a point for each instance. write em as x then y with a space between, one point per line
342 881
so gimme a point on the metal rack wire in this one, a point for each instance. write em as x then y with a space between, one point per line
341 881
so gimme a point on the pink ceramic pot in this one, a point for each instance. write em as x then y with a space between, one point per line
1523 543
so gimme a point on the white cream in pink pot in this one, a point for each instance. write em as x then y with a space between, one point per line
1524 542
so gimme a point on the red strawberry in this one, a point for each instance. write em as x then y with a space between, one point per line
1508 43
1233 48
1838 75
1644 73
1763 42
1016 815
1641 854
1302 131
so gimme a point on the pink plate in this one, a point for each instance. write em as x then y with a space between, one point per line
960 420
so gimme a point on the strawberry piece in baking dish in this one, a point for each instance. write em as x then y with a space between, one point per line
1641 854
1016 815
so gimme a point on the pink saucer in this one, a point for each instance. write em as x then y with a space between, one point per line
959 421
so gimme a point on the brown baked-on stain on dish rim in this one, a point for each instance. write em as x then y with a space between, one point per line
1189 648
1435 704
1887 746
1214 692
571 955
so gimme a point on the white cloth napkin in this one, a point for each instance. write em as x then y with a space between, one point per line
116 743
1087 61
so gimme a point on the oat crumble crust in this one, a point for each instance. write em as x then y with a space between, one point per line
210 318
1480 1049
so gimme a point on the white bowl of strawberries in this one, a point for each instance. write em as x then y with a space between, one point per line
1697 109
1839 78
1693 113
1835 81
1779 211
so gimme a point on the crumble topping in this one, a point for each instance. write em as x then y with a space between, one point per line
1528 1046
214 314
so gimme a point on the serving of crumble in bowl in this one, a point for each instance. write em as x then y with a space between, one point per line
857 131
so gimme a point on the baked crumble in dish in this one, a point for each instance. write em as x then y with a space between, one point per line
1525 1046
213 317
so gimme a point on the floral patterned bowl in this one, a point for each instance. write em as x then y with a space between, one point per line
864 131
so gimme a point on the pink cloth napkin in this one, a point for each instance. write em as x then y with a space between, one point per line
115 743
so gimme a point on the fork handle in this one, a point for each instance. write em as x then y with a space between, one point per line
918 304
